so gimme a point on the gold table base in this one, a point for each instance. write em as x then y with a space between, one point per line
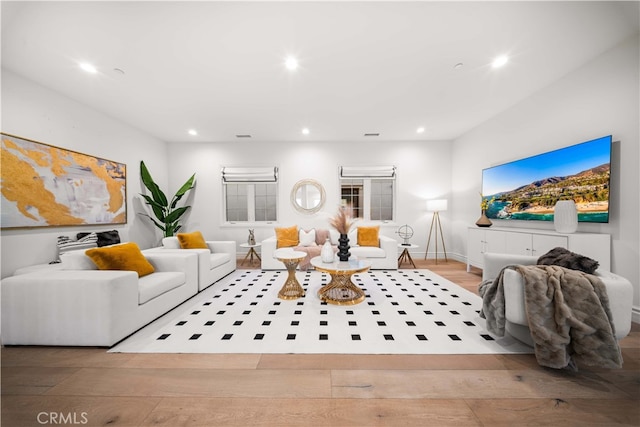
341 291
291 288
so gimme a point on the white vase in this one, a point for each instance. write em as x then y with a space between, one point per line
565 216
327 252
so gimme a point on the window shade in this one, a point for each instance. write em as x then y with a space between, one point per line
368 172
267 174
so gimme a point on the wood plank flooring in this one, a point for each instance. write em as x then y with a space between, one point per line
87 386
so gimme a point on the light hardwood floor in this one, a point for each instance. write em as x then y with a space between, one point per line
87 386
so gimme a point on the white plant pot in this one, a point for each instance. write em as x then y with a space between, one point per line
565 216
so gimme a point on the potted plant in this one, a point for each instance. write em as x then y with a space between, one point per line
167 213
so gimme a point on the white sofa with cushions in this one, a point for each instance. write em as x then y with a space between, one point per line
80 305
213 263
384 256
619 292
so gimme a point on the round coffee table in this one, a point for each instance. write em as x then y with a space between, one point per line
291 288
341 290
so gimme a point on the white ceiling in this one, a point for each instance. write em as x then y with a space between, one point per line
365 67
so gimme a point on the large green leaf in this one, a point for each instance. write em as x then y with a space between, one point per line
156 192
176 214
186 186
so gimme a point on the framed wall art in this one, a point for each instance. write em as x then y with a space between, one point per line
47 186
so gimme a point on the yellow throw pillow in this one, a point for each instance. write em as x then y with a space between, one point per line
368 236
126 256
287 237
192 240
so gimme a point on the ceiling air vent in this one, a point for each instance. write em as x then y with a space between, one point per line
243 136
371 134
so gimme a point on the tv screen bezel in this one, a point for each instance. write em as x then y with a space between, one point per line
548 216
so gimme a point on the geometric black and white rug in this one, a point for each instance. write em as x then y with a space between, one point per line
404 312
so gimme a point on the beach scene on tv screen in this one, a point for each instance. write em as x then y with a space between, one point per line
528 189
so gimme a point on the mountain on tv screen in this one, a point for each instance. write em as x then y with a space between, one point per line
528 189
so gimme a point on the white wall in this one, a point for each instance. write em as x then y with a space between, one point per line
34 112
423 172
600 98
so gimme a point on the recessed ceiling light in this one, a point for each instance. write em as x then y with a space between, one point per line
420 130
88 68
305 131
372 134
500 61
193 132
291 63
458 65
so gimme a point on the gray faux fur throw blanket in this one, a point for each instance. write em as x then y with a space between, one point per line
568 313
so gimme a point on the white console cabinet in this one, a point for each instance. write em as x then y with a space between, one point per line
524 241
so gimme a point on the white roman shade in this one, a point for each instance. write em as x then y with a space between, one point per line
263 174
388 172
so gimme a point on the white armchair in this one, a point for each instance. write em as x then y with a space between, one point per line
213 263
619 291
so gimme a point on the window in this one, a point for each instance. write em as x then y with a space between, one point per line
370 191
250 194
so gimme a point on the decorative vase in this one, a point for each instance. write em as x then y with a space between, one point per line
565 216
484 221
343 248
327 252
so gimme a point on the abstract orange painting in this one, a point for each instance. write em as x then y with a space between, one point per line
47 186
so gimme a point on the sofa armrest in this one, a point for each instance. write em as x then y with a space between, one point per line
186 262
69 307
620 294
389 245
495 262
269 246
223 246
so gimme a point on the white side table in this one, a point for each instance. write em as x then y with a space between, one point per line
251 253
405 256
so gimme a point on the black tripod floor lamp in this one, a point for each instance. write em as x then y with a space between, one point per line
436 206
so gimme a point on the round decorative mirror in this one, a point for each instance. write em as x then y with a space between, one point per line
307 196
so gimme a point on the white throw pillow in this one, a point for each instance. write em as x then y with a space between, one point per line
171 242
307 238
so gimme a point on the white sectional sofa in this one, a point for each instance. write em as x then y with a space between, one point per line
619 291
80 305
383 257
213 263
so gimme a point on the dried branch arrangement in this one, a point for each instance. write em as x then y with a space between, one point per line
343 219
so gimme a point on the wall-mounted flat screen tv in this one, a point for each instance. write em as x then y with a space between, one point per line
528 189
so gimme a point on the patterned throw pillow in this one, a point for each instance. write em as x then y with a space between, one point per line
105 238
66 243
